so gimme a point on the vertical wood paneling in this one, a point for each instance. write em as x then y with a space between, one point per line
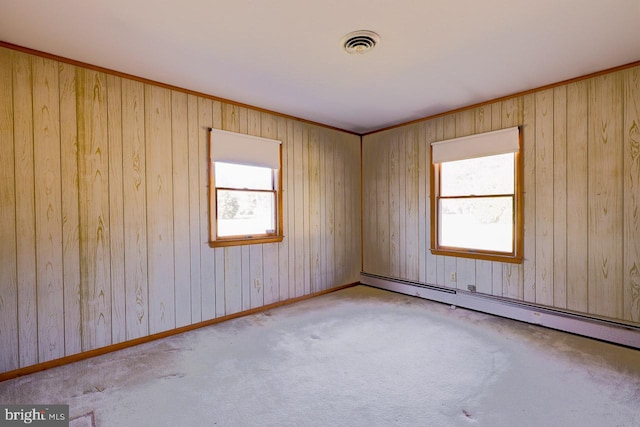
219 253
207 260
516 112
181 229
327 191
381 228
114 237
93 159
246 278
577 197
25 208
316 222
440 260
344 235
605 195
116 210
219 260
353 229
371 180
428 130
401 144
383 189
292 197
195 219
135 205
270 271
357 213
324 227
339 213
299 213
393 147
368 203
70 219
9 356
631 129
544 196
233 279
559 284
305 209
367 192
412 251
422 173
159 209
283 249
46 148
484 276
269 129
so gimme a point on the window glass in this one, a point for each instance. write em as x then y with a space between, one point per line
228 175
482 175
243 213
482 223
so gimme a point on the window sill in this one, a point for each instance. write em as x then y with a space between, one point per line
245 241
479 255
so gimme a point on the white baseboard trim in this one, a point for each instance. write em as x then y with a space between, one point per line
604 330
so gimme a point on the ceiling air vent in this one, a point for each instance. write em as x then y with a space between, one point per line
360 41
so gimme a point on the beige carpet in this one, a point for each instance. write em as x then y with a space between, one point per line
82 421
358 357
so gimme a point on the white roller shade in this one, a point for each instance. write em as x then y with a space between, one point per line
231 147
479 145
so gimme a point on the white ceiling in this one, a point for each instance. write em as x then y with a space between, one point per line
285 55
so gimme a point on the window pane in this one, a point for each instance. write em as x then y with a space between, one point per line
479 176
241 176
245 213
477 223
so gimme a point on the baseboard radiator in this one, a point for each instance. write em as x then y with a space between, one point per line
604 330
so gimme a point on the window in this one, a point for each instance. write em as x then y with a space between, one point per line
245 189
476 197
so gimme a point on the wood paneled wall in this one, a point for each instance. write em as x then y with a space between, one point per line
103 211
581 199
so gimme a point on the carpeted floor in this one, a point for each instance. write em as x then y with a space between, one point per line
85 420
357 357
